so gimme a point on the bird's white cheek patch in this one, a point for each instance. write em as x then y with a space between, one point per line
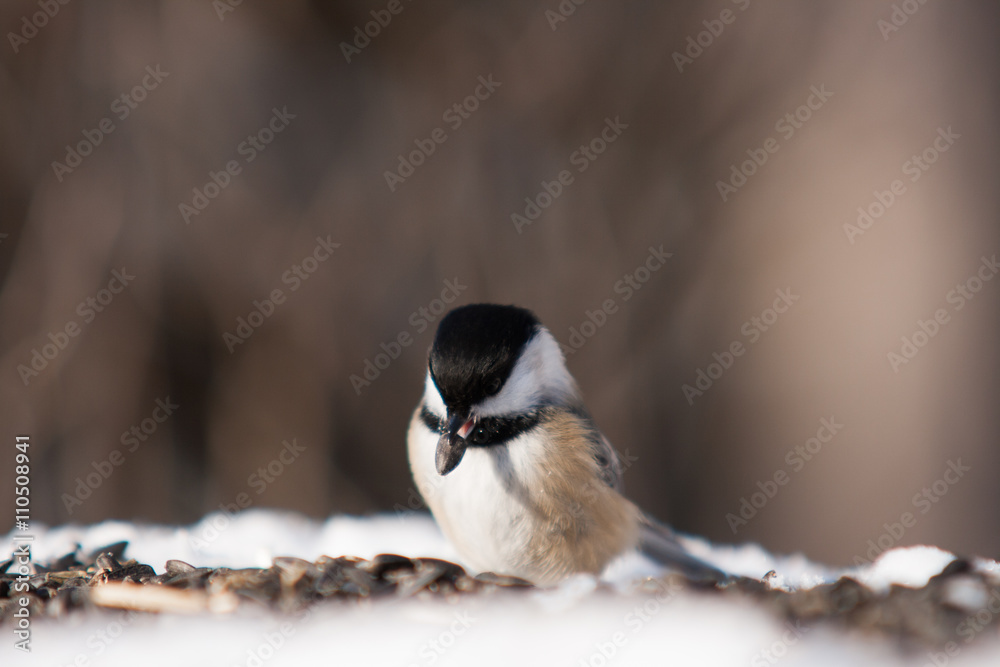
432 398
539 373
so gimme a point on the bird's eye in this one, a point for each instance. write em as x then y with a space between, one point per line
494 387
479 436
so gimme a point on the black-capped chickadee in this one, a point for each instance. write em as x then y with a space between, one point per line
510 462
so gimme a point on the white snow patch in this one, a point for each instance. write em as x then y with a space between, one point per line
905 566
968 593
619 620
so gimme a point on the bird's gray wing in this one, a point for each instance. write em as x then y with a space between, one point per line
608 462
606 457
660 543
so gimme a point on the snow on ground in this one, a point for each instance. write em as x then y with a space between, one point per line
577 624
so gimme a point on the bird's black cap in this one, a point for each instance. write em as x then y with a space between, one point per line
475 349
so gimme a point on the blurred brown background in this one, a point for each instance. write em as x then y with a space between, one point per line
216 77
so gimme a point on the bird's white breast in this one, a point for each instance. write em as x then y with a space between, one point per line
481 505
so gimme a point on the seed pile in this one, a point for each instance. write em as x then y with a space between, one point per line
955 605
101 579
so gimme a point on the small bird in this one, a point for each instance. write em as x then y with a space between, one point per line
510 463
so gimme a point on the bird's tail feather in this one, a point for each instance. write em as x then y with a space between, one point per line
660 543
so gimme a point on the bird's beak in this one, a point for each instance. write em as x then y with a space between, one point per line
451 446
